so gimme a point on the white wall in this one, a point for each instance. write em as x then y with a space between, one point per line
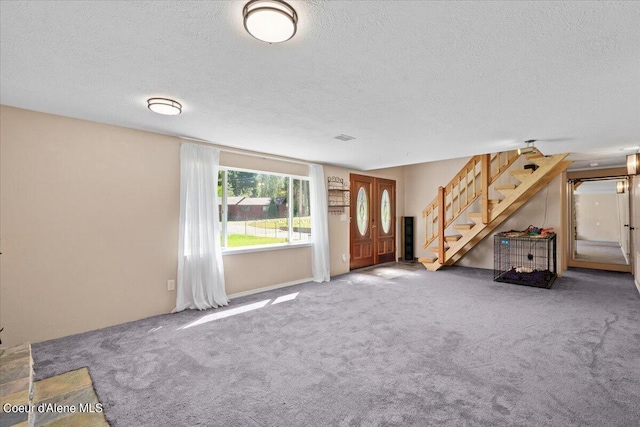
89 235
634 188
421 187
542 210
89 225
597 217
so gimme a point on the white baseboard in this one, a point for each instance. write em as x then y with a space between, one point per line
269 288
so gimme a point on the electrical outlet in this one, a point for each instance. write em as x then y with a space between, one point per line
171 285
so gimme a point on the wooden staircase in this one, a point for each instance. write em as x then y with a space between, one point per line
475 181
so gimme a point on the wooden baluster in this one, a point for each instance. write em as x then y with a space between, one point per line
466 186
452 211
448 192
432 217
498 164
458 193
485 172
475 185
425 215
452 200
441 220
445 207
473 181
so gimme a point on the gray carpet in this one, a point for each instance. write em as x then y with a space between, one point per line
445 348
391 270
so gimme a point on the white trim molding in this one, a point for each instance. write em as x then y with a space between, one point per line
269 288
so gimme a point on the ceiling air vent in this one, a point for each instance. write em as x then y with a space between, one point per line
343 137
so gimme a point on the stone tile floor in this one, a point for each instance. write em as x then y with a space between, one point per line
68 399
16 376
64 400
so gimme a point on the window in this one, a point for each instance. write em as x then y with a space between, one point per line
301 211
259 208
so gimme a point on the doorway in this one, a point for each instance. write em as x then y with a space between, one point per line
599 212
373 221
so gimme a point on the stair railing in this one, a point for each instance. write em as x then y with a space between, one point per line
472 181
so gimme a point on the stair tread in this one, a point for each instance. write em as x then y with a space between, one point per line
540 161
453 237
436 249
521 172
463 226
434 266
505 187
428 260
491 201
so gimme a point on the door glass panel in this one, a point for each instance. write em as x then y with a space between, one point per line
385 211
362 214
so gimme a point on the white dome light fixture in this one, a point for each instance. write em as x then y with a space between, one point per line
271 21
165 106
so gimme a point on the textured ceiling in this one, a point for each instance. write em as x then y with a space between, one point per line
411 81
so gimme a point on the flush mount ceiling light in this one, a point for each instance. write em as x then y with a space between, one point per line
633 164
272 21
529 148
165 106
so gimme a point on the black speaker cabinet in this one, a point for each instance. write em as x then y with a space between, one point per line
407 232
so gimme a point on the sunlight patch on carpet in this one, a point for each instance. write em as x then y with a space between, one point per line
239 310
285 298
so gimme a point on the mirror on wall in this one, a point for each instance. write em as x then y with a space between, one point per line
600 221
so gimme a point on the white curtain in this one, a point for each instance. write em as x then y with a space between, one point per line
319 225
200 270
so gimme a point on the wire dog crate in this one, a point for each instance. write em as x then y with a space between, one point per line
525 260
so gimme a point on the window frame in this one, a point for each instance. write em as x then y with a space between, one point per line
224 213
